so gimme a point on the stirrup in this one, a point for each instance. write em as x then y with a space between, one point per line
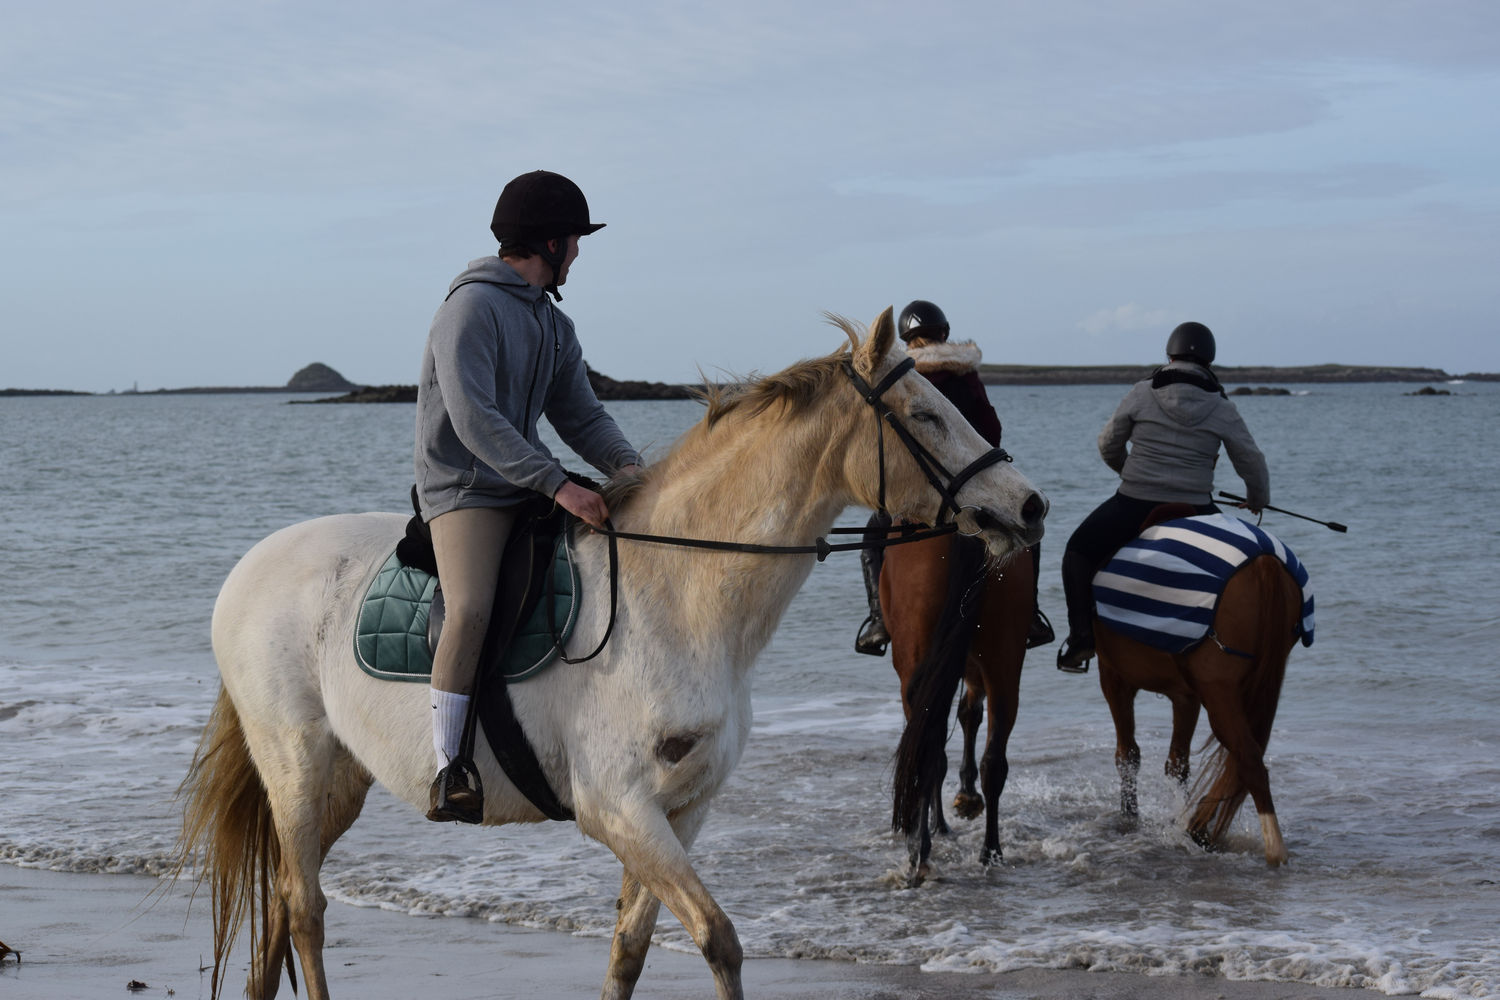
457 794
1074 656
1040 631
872 638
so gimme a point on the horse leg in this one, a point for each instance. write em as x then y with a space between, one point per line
968 802
1184 722
310 808
347 797
653 850
638 910
935 806
1004 694
1121 699
1245 772
919 853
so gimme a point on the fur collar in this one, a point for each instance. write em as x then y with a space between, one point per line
956 356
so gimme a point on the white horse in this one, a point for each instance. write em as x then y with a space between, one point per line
636 742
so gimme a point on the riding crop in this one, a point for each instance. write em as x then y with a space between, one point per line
1334 525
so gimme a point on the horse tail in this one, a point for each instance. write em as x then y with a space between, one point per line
1278 608
227 829
921 756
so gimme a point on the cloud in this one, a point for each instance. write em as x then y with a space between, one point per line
1129 318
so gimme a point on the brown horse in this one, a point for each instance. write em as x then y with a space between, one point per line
1237 679
949 618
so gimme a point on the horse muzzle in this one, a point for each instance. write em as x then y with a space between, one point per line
1017 532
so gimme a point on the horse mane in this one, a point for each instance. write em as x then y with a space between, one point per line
795 387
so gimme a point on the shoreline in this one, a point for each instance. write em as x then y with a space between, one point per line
613 390
89 936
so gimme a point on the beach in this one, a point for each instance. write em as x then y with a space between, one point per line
89 936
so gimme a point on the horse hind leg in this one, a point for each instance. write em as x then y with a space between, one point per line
315 789
1185 712
1121 699
919 853
346 798
1241 772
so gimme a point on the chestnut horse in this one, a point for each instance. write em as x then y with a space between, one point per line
1237 679
948 618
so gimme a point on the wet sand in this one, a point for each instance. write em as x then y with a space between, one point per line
87 937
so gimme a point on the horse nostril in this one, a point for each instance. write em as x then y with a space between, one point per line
1034 509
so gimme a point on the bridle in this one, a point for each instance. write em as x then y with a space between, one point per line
946 483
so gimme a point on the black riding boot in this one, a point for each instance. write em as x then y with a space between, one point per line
872 638
1040 631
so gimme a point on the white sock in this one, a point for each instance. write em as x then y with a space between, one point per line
448 713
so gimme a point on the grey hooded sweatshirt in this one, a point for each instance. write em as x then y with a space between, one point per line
499 357
1174 434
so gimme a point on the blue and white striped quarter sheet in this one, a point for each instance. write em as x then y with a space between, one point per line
1163 588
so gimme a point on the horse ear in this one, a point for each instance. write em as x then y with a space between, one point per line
877 345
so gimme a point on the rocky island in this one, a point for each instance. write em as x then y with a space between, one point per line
606 388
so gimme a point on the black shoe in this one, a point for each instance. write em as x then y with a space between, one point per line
452 799
1040 633
873 637
1074 656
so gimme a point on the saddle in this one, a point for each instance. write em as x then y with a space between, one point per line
402 615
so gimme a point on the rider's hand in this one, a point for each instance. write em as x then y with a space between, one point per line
1245 505
585 503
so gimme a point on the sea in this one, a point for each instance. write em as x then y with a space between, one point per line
124 513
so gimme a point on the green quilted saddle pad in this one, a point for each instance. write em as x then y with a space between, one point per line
390 635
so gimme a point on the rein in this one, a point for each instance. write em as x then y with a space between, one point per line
946 483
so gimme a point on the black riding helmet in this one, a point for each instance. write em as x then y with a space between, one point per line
922 319
1192 342
537 207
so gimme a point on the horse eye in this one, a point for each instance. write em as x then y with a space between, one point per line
927 417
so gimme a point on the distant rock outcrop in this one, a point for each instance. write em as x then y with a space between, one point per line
606 388
318 377
371 394
1428 390
1260 390
609 389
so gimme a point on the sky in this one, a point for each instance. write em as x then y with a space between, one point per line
203 193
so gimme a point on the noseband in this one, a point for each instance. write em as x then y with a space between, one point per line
947 484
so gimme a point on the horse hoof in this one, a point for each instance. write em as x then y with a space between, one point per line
1202 838
991 857
967 805
918 875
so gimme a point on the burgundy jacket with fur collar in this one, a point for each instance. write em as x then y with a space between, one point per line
953 367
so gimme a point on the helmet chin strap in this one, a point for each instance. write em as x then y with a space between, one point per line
554 258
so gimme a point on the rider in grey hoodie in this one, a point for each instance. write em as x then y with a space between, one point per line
500 356
1174 422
